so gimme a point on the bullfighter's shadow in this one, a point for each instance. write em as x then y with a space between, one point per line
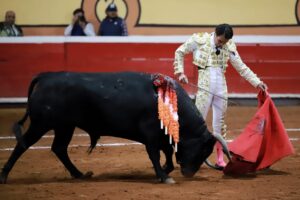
264 172
270 171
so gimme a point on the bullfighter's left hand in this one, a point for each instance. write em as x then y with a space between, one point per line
262 86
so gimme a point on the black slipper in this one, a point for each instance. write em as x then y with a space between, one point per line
218 167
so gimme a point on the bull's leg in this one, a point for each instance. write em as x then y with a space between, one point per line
154 156
168 151
60 144
32 135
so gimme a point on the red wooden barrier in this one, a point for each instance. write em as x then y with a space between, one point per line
276 64
20 62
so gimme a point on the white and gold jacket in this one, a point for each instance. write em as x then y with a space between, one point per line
203 48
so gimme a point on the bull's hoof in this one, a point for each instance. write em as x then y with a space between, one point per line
3 178
170 181
168 169
87 175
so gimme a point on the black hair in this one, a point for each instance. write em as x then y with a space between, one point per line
224 29
78 10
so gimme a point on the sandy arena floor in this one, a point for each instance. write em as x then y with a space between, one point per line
125 172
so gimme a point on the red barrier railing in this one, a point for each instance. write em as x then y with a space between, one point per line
276 64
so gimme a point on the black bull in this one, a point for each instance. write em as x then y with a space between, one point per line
110 104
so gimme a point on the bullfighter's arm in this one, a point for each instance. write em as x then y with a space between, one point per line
242 68
189 46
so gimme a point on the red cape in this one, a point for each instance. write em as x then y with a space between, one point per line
263 142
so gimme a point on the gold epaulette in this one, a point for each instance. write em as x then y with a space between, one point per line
201 38
230 45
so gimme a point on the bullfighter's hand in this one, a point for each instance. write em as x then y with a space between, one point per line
262 86
182 78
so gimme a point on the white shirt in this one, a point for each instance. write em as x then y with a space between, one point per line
17 33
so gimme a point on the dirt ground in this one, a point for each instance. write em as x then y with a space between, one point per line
125 172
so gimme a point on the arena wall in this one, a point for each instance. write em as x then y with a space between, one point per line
275 59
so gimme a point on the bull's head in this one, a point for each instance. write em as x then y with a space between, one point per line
193 152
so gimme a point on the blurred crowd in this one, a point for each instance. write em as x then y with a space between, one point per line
111 25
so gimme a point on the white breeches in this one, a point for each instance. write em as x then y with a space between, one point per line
212 79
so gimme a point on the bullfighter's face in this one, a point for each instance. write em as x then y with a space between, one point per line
220 40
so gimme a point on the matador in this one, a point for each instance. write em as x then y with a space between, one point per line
211 53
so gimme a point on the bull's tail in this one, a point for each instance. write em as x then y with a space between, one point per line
94 139
17 127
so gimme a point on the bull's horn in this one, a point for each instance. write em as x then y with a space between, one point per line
208 163
224 145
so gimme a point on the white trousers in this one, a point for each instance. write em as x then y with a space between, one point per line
212 79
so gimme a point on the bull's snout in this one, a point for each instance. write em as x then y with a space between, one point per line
187 172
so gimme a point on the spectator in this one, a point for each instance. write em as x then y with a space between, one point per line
79 25
112 25
8 27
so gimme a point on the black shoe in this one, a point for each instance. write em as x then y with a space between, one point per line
218 167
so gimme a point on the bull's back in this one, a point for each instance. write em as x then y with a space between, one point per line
115 100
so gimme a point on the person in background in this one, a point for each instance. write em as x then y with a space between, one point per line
8 27
112 25
211 53
79 25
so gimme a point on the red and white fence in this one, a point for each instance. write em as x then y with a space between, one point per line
276 59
